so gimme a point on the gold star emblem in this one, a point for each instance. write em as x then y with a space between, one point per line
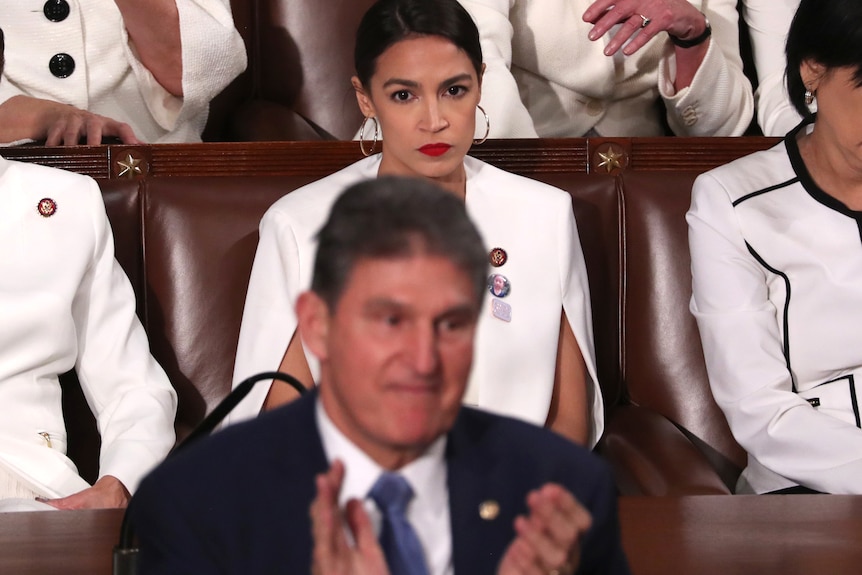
611 160
130 167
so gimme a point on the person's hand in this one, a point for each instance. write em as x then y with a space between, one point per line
332 554
106 492
68 125
548 539
24 117
676 17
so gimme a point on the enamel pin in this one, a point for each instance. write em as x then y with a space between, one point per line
501 310
47 207
498 257
489 510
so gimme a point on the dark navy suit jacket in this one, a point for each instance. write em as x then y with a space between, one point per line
238 501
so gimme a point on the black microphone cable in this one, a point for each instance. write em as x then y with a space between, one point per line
125 553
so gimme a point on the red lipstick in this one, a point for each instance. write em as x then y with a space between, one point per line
435 149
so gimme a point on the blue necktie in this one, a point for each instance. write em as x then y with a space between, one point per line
400 544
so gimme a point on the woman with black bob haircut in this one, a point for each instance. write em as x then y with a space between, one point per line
418 82
776 249
828 34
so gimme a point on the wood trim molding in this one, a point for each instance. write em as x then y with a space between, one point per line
598 156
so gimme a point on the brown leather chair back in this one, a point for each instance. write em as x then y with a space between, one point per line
303 60
200 236
595 202
662 360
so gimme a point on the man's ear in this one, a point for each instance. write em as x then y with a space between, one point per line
366 106
313 317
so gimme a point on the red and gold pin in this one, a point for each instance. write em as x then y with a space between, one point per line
47 207
498 257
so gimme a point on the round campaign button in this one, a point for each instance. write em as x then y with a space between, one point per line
499 285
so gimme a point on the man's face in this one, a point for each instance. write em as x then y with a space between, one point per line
395 353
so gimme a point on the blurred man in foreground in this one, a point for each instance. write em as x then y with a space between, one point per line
383 444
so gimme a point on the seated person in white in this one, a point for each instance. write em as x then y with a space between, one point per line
768 22
66 303
419 73
81 70
572 68
776 255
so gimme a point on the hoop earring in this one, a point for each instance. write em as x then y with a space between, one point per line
809 97
365 152
487 127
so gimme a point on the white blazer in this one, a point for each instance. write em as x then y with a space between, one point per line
66 303
545 78
777 294
108 78
514 362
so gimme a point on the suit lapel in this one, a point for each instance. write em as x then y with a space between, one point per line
482 505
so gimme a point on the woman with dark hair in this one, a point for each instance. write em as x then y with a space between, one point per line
776 249
418 81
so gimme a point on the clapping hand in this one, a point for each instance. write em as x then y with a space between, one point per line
332 554
548 538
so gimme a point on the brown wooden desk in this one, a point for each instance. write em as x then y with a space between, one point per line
700 535
743 535
58 542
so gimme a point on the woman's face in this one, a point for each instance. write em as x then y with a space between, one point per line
424 93
839 108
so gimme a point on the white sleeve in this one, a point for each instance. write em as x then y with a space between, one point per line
268 319
500 96
768 23
576 304
127 390
719 101
213 55
747 370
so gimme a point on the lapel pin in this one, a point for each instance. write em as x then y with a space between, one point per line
47 207
499 285
501 310
489 510
498 257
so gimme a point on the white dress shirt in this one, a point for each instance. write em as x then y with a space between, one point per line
427 512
